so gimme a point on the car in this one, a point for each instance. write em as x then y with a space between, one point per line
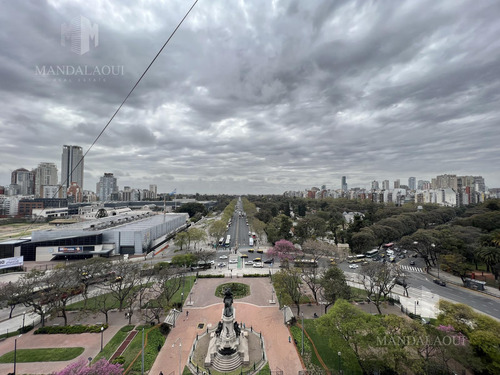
402 256
250 250
244 255
439 282
223 257
412 263
248 262
354 266
269 261
258 265
221 264
415 255
233 261
260 251
257 260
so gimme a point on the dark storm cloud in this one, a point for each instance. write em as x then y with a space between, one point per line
257 96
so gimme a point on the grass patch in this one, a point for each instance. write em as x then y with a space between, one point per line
154 339
114 343
239 290
324 345
42 355
358 294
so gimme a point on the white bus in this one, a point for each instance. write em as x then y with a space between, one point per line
371 253
228 240
250 241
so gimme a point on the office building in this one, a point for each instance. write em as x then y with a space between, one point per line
72 166
344 184
397 183
385 185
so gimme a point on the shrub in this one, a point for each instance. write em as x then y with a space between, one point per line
164 329
119 360
208 276
127 328
69 330
255 275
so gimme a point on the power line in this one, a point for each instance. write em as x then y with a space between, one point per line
126 98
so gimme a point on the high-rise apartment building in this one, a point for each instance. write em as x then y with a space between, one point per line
25 179
154 191
106 187
385 185
375 185
412 183
397 183
344 183
72 166
45 174
445 181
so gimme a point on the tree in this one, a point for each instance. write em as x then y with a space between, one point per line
127 277
378 280
217 230
184 260
490 256
362 241
196 235
287 283
9 296
455 264
62 286
181 239
259 228
192 208
334 286
34 292
88 272
310 227
284 250
279 228
101 367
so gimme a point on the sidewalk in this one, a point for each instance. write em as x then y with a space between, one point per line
455 280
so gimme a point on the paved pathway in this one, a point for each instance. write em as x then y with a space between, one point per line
254 310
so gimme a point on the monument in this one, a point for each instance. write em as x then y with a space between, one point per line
228 346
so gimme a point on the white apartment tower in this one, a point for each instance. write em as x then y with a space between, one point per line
45 174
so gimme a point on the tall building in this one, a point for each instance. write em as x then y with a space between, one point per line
25 179
106 187
45 174
445 181
397 183
375 185
412 183
385 185
154 191
72 166
344 183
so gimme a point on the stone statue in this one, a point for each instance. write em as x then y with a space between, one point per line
228 303
237 329
219 329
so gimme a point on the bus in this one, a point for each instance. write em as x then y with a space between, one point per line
228 240
371 253
356 258
305 263
250 241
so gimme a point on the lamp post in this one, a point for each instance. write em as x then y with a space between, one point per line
102 332
302 333
272 295
142 353
437 257
15 353
182 299
284 314
340 362
24 316
180 358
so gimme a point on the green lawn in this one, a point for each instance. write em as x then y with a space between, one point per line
239 290
327 353
114 343
154 338
42 355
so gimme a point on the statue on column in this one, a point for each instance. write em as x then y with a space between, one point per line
228 303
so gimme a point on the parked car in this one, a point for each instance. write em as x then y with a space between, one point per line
269 261
222 264
223 257
258 265
354 266
249 262
233 261
412 263
439 282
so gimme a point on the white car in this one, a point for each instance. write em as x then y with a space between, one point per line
223 257
353 266
249 262
221 264
258 265
233 261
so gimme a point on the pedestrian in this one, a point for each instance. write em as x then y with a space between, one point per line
289 339
187 313
161 372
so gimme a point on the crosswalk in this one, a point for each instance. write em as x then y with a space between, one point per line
412 269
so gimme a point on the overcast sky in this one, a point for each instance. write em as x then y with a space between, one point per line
255 96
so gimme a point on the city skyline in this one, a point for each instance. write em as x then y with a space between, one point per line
263 97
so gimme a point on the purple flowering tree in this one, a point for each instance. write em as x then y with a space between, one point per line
101 367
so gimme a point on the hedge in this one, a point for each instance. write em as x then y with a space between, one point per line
52 330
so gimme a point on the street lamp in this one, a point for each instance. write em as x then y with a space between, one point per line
437 257
180 358
302 333
15 353
24 316
102 332
182 299
340 362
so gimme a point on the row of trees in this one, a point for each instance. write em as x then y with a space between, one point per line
103 286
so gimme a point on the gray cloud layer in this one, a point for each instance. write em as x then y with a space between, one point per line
258 96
